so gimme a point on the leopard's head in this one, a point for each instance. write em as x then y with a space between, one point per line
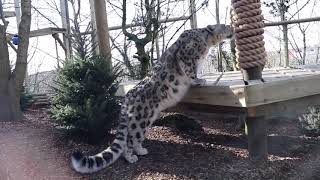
219 32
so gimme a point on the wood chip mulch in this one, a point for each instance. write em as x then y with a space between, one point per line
35 149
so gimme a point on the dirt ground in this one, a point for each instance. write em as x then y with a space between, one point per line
35 150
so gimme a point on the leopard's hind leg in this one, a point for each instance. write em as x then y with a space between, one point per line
140 135
128 152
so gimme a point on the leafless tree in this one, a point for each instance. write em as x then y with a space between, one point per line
149 20
281 8
81 40
11 82
303 29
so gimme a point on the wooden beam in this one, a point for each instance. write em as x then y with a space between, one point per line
268 24
46 31
41 32
56 37
160 21
8 14
112 28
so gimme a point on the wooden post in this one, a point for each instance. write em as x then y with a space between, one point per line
66 25
158 48
193 14
94 28
17 11
102 31
285 34
255 123
257 135
317 56
219 45
286 48
252 74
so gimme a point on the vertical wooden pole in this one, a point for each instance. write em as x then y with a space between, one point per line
257 136
66 24
17 11
317 56
193 14
157 48
94 28
219 45
252 73
102 32
285 35
286 47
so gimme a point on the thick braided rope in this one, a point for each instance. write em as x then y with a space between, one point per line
248 25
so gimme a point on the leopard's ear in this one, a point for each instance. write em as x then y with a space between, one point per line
211 28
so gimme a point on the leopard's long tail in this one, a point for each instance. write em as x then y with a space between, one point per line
90 164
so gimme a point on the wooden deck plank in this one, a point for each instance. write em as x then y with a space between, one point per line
216 95
287 76
280 85
236 82
277 91
310 67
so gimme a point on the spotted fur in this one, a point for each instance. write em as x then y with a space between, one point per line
171 78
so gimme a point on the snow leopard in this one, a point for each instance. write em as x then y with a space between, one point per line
171 78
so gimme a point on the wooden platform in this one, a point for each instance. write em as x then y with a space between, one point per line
279 84
285 91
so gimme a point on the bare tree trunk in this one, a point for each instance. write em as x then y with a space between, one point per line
11 82
282 10
317 56
304 48
5 110
286 46
140 43
157 48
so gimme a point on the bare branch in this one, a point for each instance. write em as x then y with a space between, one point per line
5 23
178 29
48 19
124 18
295 45
299 9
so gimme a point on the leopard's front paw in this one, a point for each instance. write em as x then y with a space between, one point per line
142 151
132 158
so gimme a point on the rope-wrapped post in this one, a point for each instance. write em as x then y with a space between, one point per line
248 26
